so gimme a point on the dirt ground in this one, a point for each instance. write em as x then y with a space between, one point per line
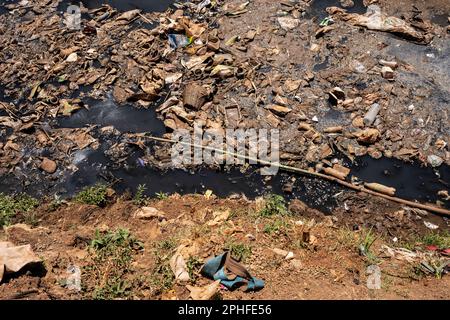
257 64
326 265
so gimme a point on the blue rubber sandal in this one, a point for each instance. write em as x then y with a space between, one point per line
230 273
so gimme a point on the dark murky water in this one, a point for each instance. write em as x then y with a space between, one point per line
5 2
318 8
121 5
3 96
411 181
440 19
126 118
316 193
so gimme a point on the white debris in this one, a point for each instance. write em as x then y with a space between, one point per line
434 160
430 225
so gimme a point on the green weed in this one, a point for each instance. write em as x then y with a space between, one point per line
365 245
274 205
162 277
139 198
112 257
161 195
12 205
278 226
95 195
239 251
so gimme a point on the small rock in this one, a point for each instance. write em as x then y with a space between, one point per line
280 252
347 3
42 137
288 187
48 165
391 64
368 135
287 23
444 194
314 47
387 73
358 122
309 76
289 256
72 57
358 66
219 217
149 213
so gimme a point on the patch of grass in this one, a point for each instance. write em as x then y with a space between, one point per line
166 244
95 195
274 205
278 226
162 277
139 198
440 240
366 241
161 195
12 205
410 245
239 251
112 256
346 238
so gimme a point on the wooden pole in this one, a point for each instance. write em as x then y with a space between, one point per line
314 174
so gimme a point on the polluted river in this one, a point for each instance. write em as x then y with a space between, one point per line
92 94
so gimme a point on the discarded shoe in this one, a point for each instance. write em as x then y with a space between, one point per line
230 273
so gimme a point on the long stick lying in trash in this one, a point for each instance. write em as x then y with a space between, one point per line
312 173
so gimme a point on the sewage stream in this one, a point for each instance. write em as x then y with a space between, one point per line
318 8
121 5
126 118
411 181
